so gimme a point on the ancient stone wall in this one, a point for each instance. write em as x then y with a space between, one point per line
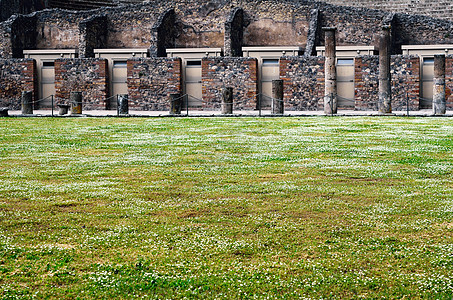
366 82
16 76
89 76
449 81
59 29
93 34
239 73
405 74
303 82
431 8
150 82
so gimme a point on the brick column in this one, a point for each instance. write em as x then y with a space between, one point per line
385 93
439 101
330 97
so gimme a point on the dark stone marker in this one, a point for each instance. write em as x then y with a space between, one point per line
175 104
439 100
63 109
227 101
27 103
4 111
123 104
76 103
385 83
277 97
330 97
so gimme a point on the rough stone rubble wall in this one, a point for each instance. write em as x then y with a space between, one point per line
405 73
303 82
236 72
150 82
16 76
431 8
449 81
89 76
366 72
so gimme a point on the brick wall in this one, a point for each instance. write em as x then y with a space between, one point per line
239 73
405 72
303 82
89 76
16 76
150 81
366 88
449 81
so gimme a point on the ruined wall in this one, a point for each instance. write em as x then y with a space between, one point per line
239 73
431 8
92 35
366 86
16 76
303 82
59 29
6 46
89 76
420 30
449 81
354 26
277 23
405 72
150 81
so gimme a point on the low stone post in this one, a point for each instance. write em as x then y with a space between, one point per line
27 103
330 95
4 111
63 109
278 106
227 101
439 100
385 84
175 104
123 104
76 103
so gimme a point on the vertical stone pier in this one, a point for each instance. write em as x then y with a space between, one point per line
439 100
330 97
385 84
76 103
227 101
277 97
27 103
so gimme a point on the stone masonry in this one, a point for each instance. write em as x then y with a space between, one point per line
303 82
151 81
236 72
16 75
89 76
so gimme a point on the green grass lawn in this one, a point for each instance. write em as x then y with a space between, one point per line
226 208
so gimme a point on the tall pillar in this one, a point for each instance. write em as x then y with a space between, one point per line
27 103
439 100
277 97
330 97
385 92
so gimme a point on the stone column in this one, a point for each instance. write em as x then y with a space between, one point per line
123 104
76 103
439 100
277 97
27 103
227 101
175 104
385 85
330 97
